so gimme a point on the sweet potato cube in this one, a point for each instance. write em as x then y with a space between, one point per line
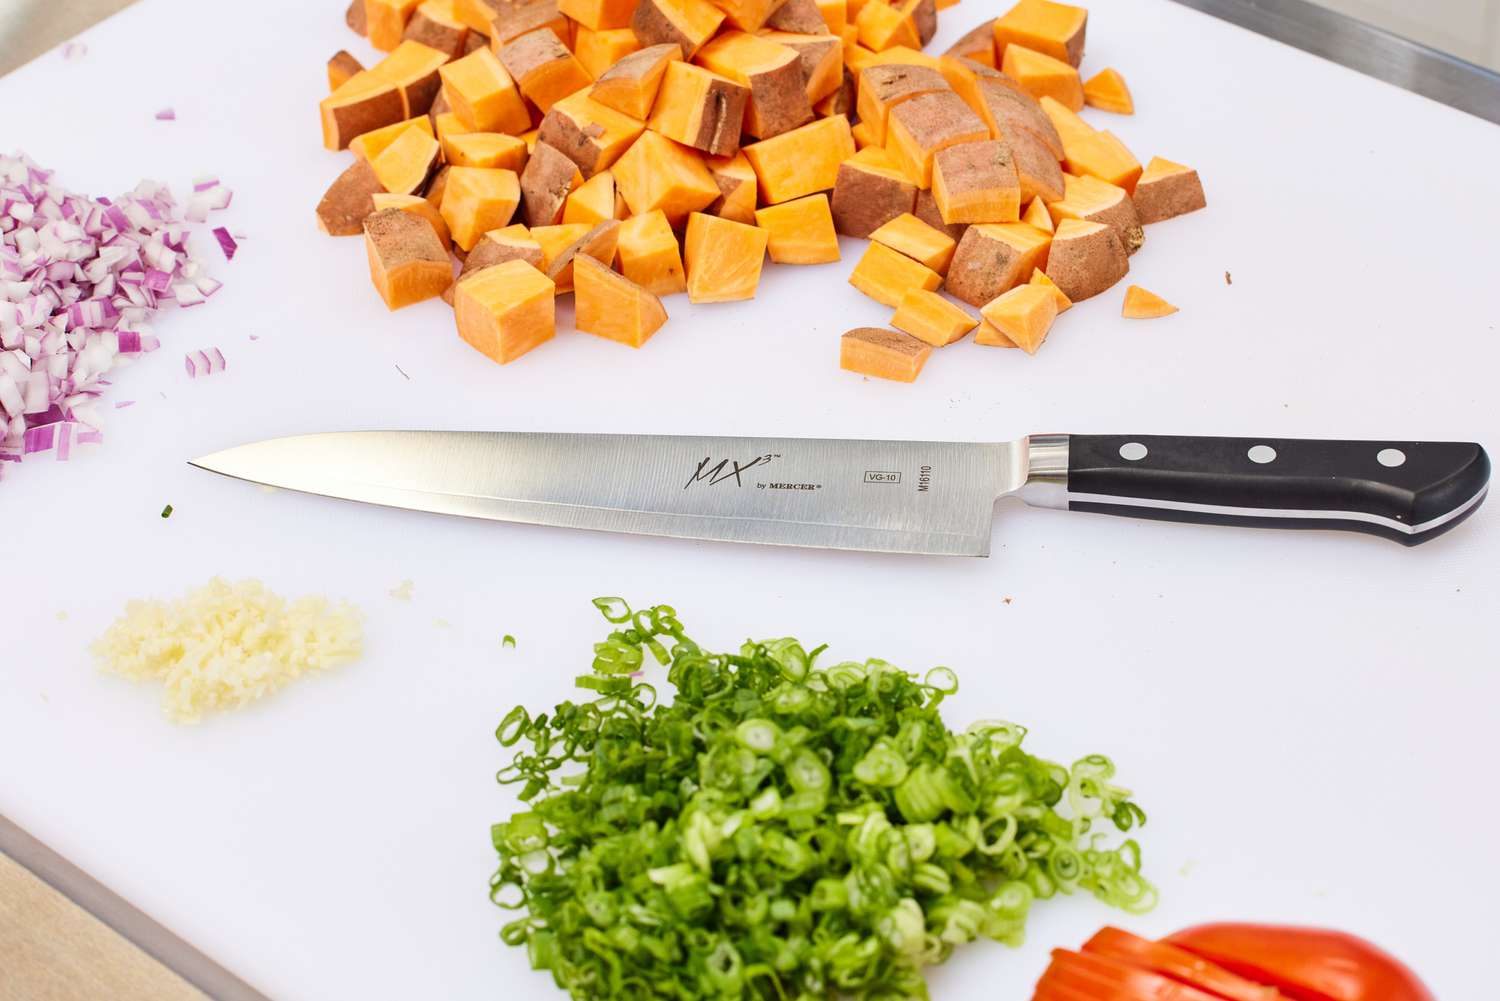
445 125
700 108
883 26
1065 120
1091 199
414 69
512 20
364 102
993 258
1024 315
417 206
406 164
923 14
687 23
350 198
598 15
342 66
589 133
1086 258
835 15
556 241
1056 29
919 128
649 254
798 17
506 310
841 101
657 173
903 54
1167 189
886 276
932 319
1043 76
549 178
372 144
773 74
1037 171
591 202
436 188
723 258
864 135
857 58
801 231
1011 113
881 88
1036 214
486 149
926 209
385 21
408 263
510 243
977 44
990 336
885 354
598 241
1141 304
1104 156
483 95
597 51
1106 90
801 161
631 83
543 68
738 188
1039 277
976 182
478 199
477 14
869 191
612 306
820 60
911 236
354 17
436 24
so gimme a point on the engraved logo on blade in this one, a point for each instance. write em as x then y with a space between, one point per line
711 472
881 476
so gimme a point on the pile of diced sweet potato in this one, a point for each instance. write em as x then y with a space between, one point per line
625 150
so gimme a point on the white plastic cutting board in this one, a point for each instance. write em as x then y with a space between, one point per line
1307 718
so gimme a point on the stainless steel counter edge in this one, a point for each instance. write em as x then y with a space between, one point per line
1366 49
127 920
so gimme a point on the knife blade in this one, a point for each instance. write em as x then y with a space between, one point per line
934 498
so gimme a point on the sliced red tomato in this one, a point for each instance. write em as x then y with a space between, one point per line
1179 964
1048 989
1103 978
1307 964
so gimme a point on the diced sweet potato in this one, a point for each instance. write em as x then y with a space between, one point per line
1038 173
598 242
857 58
445 126
475 41
1091 199
592 202
549 178
597 51
1167 189
864 135
372 144
350 198
1053 28
1024 315
631 84
413 68
417 206
649 254
543 68
589 133
506 310
1104 156
1086 258
486 149
514 20
882 26
1014 115
801 231
886 276
342 66
977 44
820 60
612 306
1041 75
557 240
1036 214
436 24
801 161
1106 90
990 336
364 103
747 15
976 182
477 14
385 21
885 354
881 88
925 208
478 199
598 15
841 101
738 188
992 259
917 240
1065 120
800 17
436 188
688 23
904 54
405 166
408 263
657 173
835 14
1143 305
773 74
870 190
919 128
510 243
932 319
1039 277
723 258
700 108
354 17
483 95
923 14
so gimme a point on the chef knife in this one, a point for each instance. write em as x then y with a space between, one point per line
885 496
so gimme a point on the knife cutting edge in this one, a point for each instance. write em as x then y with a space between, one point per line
933 498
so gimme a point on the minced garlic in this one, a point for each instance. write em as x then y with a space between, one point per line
226 644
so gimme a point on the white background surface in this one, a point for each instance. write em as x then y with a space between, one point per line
1307 718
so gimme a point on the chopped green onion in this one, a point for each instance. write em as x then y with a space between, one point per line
508 641
166 512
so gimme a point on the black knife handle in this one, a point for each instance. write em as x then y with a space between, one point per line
1409 491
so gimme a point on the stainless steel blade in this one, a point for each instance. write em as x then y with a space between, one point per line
882 496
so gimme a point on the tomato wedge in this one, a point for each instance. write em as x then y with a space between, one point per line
1103 978
1179 964
1307 964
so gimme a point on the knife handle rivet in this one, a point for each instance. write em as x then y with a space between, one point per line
1390 457
1132 451
1261 454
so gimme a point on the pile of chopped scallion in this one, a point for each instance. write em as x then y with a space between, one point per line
782 830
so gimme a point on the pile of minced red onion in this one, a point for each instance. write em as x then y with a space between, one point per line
79 279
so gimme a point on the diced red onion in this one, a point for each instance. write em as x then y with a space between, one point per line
166 115
226 242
